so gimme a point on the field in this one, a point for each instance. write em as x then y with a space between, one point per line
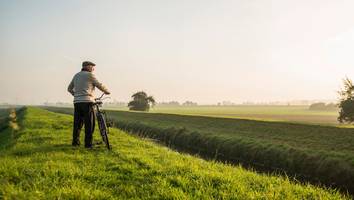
299 114
39 163
320 154
4 114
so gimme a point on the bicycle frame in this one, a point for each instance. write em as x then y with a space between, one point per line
102 121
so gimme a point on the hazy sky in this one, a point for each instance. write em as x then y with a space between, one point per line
200 50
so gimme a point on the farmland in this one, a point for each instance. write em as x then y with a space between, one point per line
309 152
299 114
41 164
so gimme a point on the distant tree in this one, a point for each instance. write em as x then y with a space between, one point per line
170 103
317 106
189 103
323 107
174 103
332 106
346 104
141 102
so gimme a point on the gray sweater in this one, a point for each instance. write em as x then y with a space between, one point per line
83 85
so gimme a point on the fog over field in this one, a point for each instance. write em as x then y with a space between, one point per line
204 51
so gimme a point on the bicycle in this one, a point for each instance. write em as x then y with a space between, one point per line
102 120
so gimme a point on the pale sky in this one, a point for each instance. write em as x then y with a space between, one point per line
200 50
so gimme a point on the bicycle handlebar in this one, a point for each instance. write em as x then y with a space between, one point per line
100 98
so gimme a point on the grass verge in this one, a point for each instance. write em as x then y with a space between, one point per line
42 165
320 154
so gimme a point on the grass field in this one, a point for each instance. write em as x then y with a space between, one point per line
309 152
39 163
4 114
299 114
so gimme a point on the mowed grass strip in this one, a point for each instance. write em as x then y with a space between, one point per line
41 164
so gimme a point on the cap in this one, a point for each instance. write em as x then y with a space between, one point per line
88 63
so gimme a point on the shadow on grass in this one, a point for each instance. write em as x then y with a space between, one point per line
38 140
42 149
55 148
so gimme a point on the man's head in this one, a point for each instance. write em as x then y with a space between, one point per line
88 66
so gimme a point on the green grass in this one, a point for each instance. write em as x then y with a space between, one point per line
41 164
4 115
4 124
328 139
309 152
300 114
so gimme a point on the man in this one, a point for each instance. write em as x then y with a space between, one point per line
82 88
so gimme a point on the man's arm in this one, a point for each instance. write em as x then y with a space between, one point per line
99 85
71 87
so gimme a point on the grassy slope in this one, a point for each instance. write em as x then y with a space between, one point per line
4 119
315 138
312 153
40 163
300 136
4 122
4 113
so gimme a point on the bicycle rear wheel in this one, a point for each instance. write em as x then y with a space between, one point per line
103 129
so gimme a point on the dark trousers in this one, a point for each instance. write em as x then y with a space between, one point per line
83 114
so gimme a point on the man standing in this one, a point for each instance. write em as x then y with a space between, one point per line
82 88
